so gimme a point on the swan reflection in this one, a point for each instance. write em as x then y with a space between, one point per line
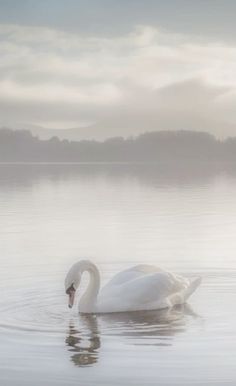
154 328
84 343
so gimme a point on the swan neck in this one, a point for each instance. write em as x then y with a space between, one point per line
89 299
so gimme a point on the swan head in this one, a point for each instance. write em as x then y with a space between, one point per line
72 282
73 279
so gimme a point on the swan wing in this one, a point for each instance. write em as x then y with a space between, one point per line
147 291
155 287
131 274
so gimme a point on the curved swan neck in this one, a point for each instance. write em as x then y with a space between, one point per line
88 300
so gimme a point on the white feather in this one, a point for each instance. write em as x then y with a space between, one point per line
143 287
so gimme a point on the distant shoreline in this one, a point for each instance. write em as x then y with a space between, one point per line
161 148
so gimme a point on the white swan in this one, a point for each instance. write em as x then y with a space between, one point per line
143 287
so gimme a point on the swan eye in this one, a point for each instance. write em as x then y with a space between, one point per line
70 289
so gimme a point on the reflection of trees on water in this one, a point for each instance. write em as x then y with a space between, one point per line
27 175
150 328
84 348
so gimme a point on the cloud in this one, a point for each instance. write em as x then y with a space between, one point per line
145 79
211 19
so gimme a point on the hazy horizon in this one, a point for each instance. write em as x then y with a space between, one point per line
176 148
118 68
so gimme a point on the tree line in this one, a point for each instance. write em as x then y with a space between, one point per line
155 147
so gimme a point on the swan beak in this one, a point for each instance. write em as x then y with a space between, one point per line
71 299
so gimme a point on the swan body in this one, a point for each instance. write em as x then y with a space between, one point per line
143 287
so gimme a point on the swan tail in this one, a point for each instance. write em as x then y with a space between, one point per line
194 284
182 296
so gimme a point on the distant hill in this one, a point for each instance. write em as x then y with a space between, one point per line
181 147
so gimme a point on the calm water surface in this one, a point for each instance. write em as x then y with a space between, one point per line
118 216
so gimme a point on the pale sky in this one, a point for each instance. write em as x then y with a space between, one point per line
121 66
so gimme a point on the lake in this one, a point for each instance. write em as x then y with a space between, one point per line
183 220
